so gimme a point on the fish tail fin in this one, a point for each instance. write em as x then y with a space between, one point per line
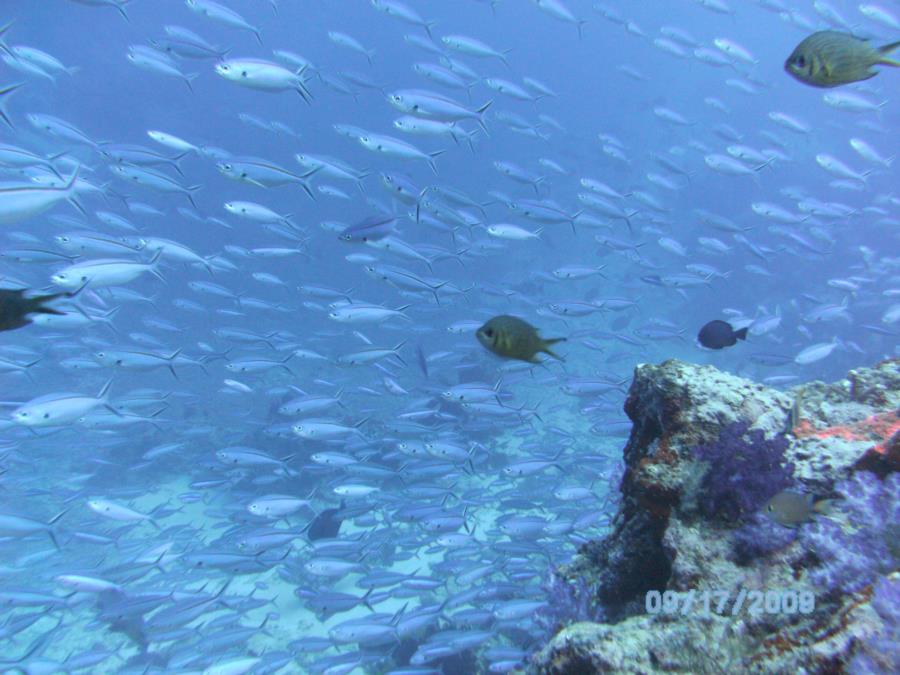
742 333
364 600
552 341
823 507
479 119
5 28
887 49
301 86
57 517
104 392
189 193
37 304
431 158
5 91
70 184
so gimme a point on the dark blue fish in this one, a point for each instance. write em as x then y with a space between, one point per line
326 525
719 334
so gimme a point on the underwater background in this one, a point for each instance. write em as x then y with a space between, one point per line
273 442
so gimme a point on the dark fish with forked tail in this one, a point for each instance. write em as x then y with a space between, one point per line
15 307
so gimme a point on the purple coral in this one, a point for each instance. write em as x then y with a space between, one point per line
760 536
745 470
881 653
567 602
860 541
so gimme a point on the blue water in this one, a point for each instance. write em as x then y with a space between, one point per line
831 276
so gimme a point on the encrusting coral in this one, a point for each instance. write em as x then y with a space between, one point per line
706 451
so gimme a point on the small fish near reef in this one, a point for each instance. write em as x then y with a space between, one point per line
831 58
514 338
15 307
791 509
719 334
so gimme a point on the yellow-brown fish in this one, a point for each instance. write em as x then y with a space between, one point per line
830 58
792 509
513 338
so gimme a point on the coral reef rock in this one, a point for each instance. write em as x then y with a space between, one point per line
685 585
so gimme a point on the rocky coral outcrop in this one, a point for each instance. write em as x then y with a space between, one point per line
684 588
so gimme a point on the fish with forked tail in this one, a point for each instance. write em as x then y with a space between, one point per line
514 338
15 307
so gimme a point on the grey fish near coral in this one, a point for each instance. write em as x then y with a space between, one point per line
792 509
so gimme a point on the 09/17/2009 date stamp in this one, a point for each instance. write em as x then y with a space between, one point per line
707 602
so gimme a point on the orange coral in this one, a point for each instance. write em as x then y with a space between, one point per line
879 427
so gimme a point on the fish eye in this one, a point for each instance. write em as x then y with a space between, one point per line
227 167
489 332
801 61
